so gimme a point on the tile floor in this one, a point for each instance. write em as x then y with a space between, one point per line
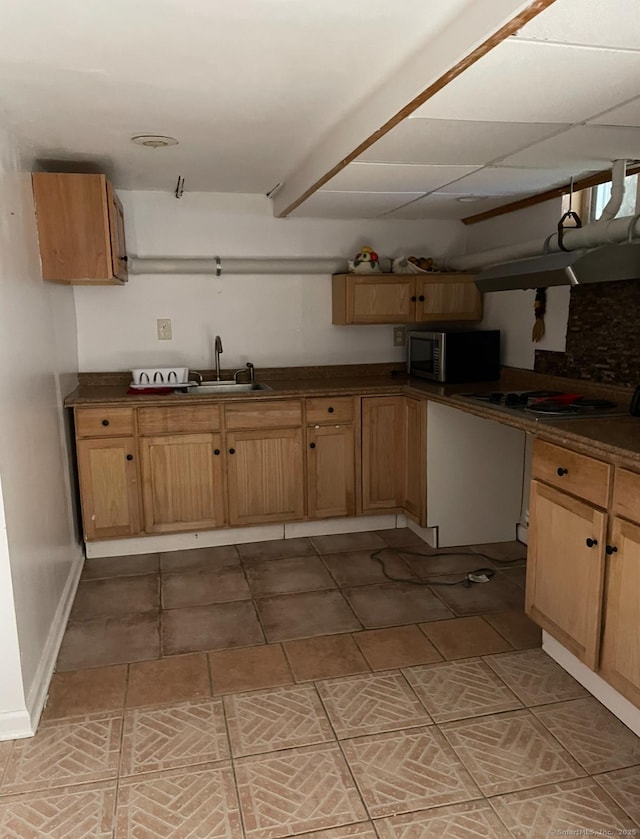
287 689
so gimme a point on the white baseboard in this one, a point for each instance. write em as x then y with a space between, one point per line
15 725
37 693
241 535
427 534
522 534
603 692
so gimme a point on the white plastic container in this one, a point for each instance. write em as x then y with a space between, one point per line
158 376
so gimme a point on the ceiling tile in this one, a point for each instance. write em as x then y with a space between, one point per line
442 141
585 147
445 206
396 177
521 81
614 23
328 204
628 114
508 181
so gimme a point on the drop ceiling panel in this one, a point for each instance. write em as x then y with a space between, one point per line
396 177
417 140
610 23
328 204
522 81
445 206
628 114
508 181
583 147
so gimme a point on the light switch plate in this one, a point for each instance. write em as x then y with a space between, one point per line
164 329
399 336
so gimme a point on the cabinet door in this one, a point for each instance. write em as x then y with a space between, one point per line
620 661
182 482
330 471
117 237
383 453
265 476
453 298
109 487
565 569
382 299
415 482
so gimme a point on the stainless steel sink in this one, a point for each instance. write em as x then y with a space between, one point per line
211 388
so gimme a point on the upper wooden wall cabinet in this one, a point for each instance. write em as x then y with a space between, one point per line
80 229
405 298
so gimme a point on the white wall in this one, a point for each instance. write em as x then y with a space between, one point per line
512 311
270 320
39 551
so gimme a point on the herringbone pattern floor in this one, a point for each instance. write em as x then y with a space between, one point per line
455 728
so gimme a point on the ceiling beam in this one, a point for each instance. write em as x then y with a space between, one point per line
465 40
557 192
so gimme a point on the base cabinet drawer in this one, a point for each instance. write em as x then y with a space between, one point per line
572 472
104 422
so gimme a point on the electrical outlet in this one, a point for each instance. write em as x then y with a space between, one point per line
164 329
399 336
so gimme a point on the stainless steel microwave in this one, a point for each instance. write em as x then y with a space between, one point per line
470 355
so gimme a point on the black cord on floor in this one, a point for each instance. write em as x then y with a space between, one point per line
467 581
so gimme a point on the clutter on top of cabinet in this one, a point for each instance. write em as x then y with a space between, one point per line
413 265
366 261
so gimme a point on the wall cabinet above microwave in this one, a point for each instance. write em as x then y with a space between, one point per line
80 229
405 298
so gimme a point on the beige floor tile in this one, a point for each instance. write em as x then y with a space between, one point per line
199 802
425 562
156 739
505 551
573 808
218 626
471 820
371 704
249 668
98 643
288 616
324 657
287 575
364 830
77 812
399 646
174 679
199 559
6 747
465 637
297 791
65 752
623 786
199 588
407 770
116 597
597 739
276 549
340 542
81 692
357 568
519 630
453 691
395 604
403 537
280 718
535 678
120 566
509 752
497 595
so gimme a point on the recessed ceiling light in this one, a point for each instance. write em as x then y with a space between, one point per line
154 141
470 199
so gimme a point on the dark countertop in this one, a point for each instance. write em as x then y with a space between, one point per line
616 439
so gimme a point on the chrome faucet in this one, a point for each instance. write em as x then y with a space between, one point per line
218 352
249 369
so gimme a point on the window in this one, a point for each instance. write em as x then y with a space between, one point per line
630 204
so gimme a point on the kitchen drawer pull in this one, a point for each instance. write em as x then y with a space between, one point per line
129 457
562 471
330 410
312 445
232 451
105 422
611 549
591 543
216 451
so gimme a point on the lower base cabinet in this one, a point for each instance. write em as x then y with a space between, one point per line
415 474
265 476
383 453
182 482
331 471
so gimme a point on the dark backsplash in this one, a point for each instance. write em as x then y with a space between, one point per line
603 336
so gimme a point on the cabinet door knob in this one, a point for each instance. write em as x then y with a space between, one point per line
216 451
562 471
129 457
330 410
413 299
312 445
232 451
591 543
611 549
105 422
421 298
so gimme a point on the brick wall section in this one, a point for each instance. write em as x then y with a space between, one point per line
603 336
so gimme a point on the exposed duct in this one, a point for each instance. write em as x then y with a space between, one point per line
217 265
604 251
